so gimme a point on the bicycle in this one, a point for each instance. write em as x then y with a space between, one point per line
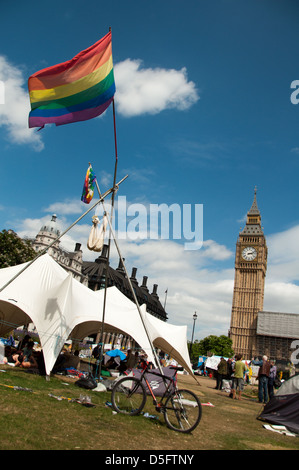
181 408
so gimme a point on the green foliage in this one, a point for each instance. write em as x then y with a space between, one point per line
14 250
218 345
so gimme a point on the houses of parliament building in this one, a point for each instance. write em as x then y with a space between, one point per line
255 332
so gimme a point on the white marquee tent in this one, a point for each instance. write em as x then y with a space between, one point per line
60 307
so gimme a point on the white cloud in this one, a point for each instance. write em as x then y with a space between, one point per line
284 255
146 90
66 207
213 250
28 227
281 289
281 297
15 109
139 91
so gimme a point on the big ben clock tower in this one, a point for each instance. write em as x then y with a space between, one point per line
250 272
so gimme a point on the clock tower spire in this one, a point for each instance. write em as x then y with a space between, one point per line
250 273
253 222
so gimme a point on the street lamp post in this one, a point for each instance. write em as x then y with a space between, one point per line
194 320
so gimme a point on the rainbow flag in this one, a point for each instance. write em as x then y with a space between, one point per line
88 188
79 89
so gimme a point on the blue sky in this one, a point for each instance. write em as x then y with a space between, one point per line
203 115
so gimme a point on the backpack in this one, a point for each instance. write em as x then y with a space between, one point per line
87 382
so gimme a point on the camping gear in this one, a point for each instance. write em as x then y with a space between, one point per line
96 237
279 429
117 353
87 382
283 408
84 400
16 387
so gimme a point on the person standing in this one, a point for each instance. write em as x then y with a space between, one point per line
263 378
271 380
238 378
221 373
229 369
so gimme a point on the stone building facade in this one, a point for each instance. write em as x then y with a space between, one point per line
71 261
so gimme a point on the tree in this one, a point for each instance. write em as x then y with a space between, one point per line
218 345
14 250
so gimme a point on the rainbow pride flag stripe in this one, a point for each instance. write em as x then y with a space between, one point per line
88 187
77 90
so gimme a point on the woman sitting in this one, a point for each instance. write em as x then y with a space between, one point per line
28 358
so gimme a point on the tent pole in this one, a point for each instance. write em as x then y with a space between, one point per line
131 288
135 300
109 191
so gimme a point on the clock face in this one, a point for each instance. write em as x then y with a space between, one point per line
249 253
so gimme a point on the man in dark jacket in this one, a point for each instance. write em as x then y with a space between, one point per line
263 377
221 373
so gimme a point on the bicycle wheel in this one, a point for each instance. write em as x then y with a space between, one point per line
182 411
128 396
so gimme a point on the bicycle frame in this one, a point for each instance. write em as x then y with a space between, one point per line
171 380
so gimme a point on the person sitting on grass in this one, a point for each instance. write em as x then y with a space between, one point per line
14 358
28 358
23 342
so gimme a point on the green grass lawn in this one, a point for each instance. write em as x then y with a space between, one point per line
34 420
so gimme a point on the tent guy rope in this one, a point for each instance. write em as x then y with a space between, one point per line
132 289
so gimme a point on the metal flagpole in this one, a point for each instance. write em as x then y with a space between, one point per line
108 254
166 292
109 244
102 197
109 238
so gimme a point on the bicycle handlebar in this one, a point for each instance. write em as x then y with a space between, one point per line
145 370
177 368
